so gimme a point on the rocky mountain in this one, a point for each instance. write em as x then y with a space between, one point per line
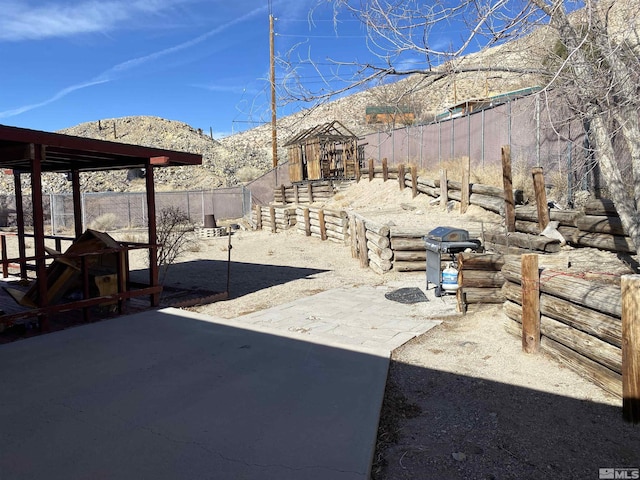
246 155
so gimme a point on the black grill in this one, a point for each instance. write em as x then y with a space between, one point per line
448 241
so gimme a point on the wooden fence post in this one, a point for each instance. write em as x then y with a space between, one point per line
444 192
630 286
353 234
258 217
272 214
464 194
295 194
530 303
310 192
283 192
509 204
357 165
385 170
541 197
370 169
307 222
414 181
363 251
323 227
401 175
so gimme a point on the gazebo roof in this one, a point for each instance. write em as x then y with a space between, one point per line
326 132
63 153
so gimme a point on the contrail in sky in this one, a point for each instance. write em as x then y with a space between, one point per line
114 72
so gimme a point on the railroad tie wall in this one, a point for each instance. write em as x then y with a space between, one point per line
326 224
580 322
370 243
276 218
303 193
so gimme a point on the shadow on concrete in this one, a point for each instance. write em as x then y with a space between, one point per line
502 431
168 394
211 275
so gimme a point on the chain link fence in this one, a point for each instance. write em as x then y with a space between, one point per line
128 210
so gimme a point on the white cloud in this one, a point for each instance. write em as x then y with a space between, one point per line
21 20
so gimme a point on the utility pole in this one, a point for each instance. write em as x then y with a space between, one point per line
274 138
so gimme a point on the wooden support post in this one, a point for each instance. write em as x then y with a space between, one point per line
385 170
353 236
541 197
444 193
77 203
363 251
17 186
307 222
323 227
5 263
509 204
295 194
464 193
272 215
414 181
357 165
630 286
401 176
370 169
154 272
283 192
258 217
310 192
530 303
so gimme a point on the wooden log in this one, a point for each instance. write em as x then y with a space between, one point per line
385 170
401 232
444 191
600 206
507 183
401 176
330 212
353 236
380 241
414 181
541 197
323 228
480 278
383 253
603 241
465 187
384 265
594 371
597 296
406 266
358 172
600 224
530 281
523 226
414 244
272 216
336 221
429 182
307 222
523 240
377 228
310 197
480 261
328 234
410 256
361 232
491 295
563 217
296 194
258 211
370 169
630 286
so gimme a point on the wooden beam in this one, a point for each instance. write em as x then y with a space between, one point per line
630 286
541 197
465 187
414 181
154 273
77 202
370 169
307 222
444 192
323 227
401 176
385 170
530 303
22 249
272 216
507 182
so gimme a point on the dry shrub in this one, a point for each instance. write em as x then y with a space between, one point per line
248 173
174 233
105 222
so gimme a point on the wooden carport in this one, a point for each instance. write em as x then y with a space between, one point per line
325 151
33 152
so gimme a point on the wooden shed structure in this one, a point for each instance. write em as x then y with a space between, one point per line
29 153
322 152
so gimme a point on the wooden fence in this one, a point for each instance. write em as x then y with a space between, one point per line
323 223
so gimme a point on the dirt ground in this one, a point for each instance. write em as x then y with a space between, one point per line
462 400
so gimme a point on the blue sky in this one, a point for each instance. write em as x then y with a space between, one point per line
202 62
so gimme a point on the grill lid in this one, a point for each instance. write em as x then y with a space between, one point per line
448 234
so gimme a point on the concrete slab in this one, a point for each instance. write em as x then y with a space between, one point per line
173 395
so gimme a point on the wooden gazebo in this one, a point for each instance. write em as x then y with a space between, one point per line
325 151
32 152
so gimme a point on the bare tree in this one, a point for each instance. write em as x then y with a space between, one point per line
174 231
586 52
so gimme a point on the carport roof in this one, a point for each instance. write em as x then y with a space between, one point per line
63 153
